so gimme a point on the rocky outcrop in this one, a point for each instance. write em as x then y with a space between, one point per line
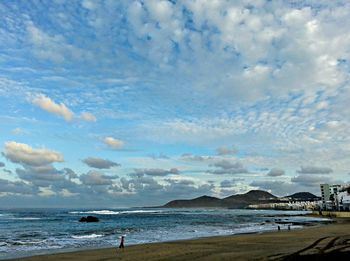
89 219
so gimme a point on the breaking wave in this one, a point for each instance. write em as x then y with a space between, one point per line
110 212
87 236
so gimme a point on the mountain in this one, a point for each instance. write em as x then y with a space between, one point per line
234 201
300 196
204 201
251 197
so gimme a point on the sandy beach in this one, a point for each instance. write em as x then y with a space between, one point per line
308 243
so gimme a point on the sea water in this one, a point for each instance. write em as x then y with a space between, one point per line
26 232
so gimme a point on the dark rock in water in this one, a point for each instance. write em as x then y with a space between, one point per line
89 219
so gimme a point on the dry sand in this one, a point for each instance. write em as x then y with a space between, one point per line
330 241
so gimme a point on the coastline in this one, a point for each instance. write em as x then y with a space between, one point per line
331 240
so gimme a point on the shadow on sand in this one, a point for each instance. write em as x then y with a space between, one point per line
324 248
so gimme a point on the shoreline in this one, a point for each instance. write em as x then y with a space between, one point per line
268 245
83 249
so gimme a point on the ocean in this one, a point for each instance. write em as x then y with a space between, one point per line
27 232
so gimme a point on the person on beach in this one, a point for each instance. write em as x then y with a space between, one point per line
122 242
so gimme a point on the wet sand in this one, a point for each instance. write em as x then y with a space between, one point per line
311 243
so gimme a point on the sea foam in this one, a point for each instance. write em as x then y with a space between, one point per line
110 212
87 236
96 212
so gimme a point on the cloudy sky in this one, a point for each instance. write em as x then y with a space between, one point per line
133 103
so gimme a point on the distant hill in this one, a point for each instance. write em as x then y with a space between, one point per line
303 196
251 197
234 201
204 201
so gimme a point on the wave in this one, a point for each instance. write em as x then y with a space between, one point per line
25 218
97 212
110 212
87 236
18 242
140 211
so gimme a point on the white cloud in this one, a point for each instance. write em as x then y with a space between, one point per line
52 47
155 172
245 52
16 187
216 59
312 180
113 143
18 131
100 163
228 167
198 158
94 178
49 105
314 170
281 188
25 154
87 116
275 172
88 4
223 150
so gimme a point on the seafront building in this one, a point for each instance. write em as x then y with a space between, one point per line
335 197
290 205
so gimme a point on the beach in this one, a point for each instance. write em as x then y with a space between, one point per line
327 240
31 232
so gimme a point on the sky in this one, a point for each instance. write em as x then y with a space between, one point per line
135 103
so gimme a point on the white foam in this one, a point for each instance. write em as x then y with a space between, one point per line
87 236
30 242
97 212
110 212
139 211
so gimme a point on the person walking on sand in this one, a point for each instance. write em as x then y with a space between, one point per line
122 241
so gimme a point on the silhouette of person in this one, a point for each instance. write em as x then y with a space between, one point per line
122 242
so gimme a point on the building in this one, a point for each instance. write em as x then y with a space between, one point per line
334 197
344 198
291 205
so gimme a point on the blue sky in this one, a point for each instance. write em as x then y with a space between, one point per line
129 103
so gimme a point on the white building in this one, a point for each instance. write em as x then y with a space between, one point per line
335 197
344 198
